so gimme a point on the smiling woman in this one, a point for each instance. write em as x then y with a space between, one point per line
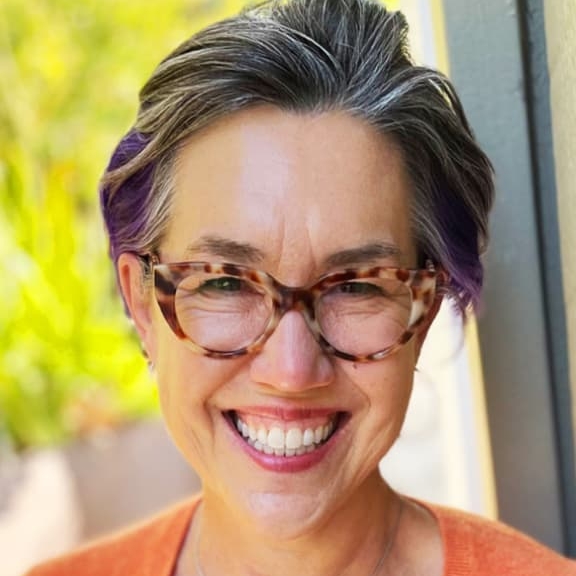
293 203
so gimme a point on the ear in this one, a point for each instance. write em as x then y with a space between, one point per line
137 296
423 331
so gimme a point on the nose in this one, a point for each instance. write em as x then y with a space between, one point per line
291 360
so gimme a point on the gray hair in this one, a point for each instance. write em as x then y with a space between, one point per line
310 56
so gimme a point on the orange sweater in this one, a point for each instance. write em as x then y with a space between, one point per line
473 546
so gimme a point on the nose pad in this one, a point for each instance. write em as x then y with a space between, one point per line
291 360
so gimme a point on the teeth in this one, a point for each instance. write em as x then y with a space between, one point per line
308 439
292 442
293 439
276 438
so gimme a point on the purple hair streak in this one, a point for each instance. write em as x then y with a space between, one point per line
125 209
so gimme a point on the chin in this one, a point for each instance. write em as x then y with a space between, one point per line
285 516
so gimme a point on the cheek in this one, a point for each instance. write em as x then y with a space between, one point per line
386 385
189 386
190 383
384 389
392 371
181 386
185 378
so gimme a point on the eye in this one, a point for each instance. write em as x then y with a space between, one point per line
359 289
225 284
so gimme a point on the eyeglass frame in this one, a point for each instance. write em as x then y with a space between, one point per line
424 284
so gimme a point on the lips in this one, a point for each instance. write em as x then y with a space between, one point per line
286 441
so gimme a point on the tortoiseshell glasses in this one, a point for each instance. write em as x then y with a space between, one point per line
224 310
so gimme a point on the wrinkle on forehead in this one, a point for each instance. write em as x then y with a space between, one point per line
296 189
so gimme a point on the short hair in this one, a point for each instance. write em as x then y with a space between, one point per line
310 56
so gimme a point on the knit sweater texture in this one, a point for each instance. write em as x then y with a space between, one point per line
473 546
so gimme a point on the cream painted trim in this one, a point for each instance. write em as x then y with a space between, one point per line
490 500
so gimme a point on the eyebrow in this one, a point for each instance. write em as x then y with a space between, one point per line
245 253
367 254
227 249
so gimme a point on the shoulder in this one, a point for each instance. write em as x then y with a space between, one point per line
477 546
149 548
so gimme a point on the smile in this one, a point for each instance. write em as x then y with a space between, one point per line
287 439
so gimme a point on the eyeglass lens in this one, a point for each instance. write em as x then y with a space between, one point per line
226 313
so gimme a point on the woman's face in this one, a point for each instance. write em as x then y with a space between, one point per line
297 196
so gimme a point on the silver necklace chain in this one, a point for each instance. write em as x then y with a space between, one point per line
387 549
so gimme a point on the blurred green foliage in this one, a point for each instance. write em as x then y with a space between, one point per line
70 71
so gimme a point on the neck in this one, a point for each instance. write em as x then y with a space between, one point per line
351 541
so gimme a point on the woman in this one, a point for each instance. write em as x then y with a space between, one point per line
291 206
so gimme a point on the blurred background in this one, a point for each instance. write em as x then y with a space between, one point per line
82 451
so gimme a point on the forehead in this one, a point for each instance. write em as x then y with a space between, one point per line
296 187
